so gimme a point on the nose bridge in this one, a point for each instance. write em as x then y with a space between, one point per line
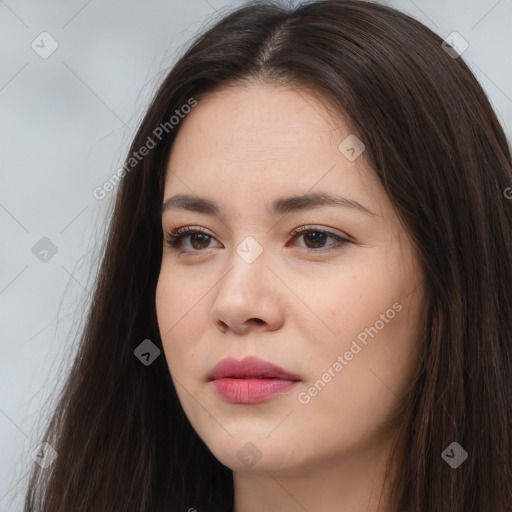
246 268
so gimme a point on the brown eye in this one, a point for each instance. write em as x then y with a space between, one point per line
315 239
199 239
202 240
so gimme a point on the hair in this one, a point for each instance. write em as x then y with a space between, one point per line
431 136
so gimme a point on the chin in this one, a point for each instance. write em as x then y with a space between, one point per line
255 454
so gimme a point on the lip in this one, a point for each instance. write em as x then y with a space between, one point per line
250 380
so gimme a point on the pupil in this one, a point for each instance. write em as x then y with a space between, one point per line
205 241
315 235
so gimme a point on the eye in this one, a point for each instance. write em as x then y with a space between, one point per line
174 238
199 239
316 238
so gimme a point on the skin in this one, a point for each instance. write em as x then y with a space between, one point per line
243 147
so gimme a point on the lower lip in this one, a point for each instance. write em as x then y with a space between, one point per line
251 391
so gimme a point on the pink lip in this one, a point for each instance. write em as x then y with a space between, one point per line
250 380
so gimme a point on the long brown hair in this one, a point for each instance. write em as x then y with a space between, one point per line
122 438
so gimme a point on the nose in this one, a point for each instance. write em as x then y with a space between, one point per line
247 298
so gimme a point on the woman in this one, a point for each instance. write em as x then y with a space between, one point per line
233 358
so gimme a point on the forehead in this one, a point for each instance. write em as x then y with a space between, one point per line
262 118
264 140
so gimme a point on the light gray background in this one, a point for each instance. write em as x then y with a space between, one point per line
65 126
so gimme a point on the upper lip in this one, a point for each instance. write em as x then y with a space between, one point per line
250 367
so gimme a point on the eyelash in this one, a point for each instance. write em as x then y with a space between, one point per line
174 237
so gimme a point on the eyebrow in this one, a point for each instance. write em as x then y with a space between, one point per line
279 206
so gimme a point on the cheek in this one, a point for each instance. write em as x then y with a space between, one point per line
375 319
177 299
370 382
178 321
352 302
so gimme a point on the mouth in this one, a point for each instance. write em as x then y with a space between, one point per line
250 380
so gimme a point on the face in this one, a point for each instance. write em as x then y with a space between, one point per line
329 293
